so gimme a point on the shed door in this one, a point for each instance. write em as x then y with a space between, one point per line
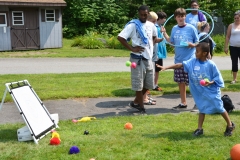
24 28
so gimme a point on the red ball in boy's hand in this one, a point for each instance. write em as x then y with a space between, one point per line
202 82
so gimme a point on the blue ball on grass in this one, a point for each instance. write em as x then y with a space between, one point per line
74 150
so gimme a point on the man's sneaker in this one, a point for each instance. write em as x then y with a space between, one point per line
143 111
137 106
198 132
228 131
179 107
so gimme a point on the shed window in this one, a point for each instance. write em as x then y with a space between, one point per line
17 17
3 20
50 15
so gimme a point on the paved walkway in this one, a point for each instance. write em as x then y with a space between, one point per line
98 107
79 65
103 107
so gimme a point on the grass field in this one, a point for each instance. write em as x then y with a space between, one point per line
166 136
72 52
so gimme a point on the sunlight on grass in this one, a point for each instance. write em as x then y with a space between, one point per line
92 85
166 136
73 52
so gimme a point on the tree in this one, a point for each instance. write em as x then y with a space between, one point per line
81 16
226 9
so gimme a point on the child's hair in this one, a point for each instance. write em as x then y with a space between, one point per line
180 11
201 25
143 8
161 15
204 47
152 15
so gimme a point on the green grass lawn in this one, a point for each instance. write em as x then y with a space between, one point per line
72 52
75 85
153 137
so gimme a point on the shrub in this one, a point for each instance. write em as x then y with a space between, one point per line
113 43
89 41
219 40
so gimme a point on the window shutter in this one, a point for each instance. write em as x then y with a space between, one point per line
43 15
57 15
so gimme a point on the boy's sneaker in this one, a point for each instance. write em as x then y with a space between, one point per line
228 131
179 107
198 132
137 106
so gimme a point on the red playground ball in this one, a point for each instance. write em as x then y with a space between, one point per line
202 82
133 65
128 126
55 141
235 152
74 150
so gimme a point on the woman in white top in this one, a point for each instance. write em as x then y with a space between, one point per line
233 40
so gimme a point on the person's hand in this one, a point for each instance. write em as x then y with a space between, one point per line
208 83
191 45
226 50
138 49
163 29
162 68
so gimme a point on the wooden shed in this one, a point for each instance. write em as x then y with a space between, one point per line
30 24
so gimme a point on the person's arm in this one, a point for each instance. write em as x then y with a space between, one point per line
158 40
228 35
195 39
191 45
175 66
128 46
163 30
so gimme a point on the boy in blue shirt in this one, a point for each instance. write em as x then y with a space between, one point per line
207 96
160 49
184 37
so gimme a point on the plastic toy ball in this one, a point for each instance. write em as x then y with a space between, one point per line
128 126
235 152
128 63
133 65
74 150
206 80
55 141
202 82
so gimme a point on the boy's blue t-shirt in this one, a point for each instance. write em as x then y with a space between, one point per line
181 35
207 98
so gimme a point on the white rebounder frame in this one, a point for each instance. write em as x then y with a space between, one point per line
36 116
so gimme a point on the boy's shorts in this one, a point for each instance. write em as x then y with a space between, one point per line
180 76
159 62
143 75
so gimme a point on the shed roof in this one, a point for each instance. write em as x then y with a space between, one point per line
33 2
